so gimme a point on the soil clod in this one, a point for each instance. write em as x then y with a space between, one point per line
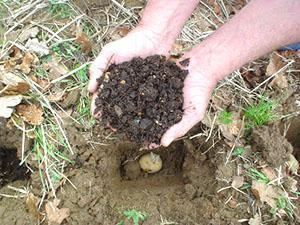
142 97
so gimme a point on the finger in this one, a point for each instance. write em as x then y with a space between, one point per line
96 114
179 129
97 68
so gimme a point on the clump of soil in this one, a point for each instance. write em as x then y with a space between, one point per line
10 170
142 97
274 146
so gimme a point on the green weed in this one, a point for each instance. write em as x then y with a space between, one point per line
260 114
60 10
283 203
134 216
238 151
259 176
225 117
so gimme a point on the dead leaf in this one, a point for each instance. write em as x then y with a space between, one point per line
29 33
40 48
84 41
265 193
54 214
55 68
293 164
123 31
28 61
231 130
237 181
269 172
10 64
7 104
255 220
32 114
274 65
32 203
15 53
14 84
56 97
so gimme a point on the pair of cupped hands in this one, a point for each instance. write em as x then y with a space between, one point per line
141 42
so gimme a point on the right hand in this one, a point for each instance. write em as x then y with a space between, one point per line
139 42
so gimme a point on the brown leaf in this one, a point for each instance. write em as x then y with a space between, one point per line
231 130
265 193
83 40
15 52
28 61
123 31
14 84
10 64
32 203
54 214
237 181
55 68
274 65
32 114
269 172
56 97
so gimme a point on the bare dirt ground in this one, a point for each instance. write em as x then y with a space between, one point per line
223 172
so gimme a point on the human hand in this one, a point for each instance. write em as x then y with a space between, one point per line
197 91
139 42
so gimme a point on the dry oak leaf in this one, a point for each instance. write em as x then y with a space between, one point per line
265 193
14 84
32 203
54 214
32 114
231 130
237 181
84 41
40 48
15 53
269 172
275 64
28 61
55 68
7 103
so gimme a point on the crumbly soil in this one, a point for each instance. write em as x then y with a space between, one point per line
142 98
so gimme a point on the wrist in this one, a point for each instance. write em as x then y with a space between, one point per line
202 63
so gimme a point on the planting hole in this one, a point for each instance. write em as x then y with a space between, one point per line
172 162
10 170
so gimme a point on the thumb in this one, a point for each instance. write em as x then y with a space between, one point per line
179 129
97 68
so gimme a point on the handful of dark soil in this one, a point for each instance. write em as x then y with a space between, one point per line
142 98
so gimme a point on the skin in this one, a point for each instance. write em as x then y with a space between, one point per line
259 28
